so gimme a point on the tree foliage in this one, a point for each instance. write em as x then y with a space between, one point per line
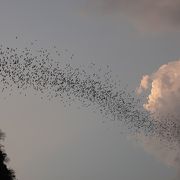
5 172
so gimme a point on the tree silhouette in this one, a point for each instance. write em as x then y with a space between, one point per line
5 172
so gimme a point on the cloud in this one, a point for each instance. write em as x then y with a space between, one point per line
163 103
165 89
157 147
144 84
153 14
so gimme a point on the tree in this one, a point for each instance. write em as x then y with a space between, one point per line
5 172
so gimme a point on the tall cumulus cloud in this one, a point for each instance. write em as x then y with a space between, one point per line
163 102
145 14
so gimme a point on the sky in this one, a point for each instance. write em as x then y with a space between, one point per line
46 140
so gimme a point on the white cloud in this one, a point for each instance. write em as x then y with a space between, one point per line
144 84
165 89
163 103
